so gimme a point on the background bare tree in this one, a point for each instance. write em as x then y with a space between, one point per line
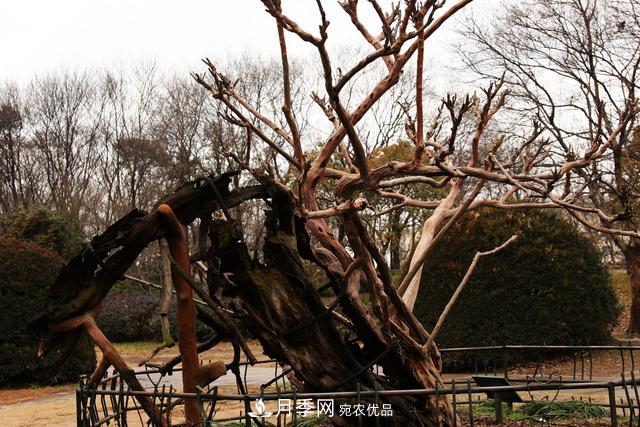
19 183
65 114
572 66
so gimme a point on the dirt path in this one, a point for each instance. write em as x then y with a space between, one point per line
55 406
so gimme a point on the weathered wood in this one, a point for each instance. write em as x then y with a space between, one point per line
185 310
84 282
110 354
276 300
285 312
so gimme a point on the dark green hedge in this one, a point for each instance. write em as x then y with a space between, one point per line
134 316
45 227
26 272
550 287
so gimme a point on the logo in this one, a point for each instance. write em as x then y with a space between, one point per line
261 410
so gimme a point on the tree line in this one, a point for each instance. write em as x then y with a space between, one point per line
336 158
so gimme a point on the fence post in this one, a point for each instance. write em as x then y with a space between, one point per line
612 405
470 398
505 364
247 408
79 409
455 406
437 405
358 403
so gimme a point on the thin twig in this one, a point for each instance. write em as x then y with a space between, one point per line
461 286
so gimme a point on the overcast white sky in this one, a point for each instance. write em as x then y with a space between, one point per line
40 36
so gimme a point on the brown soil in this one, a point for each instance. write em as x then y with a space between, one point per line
55 406
10 397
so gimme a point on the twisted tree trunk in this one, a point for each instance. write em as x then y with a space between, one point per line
274 299
284 311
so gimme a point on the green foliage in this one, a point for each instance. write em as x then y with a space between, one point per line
570 409
549 287
45 227
402 151
27 270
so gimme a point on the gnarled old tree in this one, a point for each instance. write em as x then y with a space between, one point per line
272 295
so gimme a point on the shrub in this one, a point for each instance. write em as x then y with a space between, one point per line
27 270
134 316
549 287
45 227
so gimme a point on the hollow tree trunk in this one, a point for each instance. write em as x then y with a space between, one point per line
632 261
285 312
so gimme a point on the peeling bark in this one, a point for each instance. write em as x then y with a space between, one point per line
186 312
285 312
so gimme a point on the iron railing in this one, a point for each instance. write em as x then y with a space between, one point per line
111 402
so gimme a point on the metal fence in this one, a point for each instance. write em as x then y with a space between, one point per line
500 359
111 402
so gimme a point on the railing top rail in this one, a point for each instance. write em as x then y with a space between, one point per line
540 347
372 393
447 350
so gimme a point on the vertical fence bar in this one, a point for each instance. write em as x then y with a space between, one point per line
358 403
470 399
455 407
78 408
121 404
93 412
505 361
377 403
247 405
169 410
295 407
437 405
612 405
635 391
632 411
498 407
103 400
